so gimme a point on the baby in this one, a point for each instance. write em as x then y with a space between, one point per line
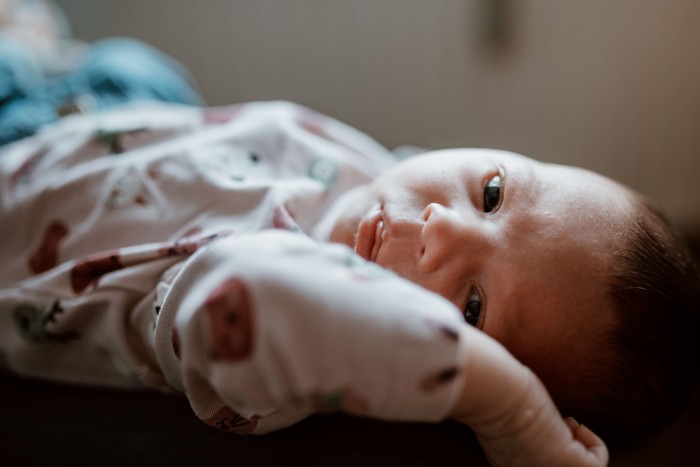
137 257
570 271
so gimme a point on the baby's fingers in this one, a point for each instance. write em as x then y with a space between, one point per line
592 442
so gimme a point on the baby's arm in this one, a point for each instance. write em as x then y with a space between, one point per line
512 414
268 328
272 327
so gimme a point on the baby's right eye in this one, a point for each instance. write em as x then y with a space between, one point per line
492 194
472 311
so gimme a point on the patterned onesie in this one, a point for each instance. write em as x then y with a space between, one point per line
163 246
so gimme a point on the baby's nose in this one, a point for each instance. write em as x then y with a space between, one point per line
449 235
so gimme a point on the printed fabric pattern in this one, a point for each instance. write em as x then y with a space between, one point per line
138 251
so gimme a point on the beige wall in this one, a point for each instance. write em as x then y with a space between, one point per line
609 85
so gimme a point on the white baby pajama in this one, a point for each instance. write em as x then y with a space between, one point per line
136 251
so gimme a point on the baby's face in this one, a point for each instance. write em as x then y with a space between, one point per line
523 248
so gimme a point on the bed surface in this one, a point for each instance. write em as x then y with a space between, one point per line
60 425
47 424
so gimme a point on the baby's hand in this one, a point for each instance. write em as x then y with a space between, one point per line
513 416
535 434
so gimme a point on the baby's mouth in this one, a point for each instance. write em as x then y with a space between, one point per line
369 234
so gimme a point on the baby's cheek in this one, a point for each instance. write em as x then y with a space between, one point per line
344 230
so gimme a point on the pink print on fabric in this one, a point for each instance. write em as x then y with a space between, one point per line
189 243
438 379
449 333
444 376
225 419
221 115
281 219
46 256
182 247
443 330
231 320
90 269
127 188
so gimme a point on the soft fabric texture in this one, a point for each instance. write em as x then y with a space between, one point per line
141 255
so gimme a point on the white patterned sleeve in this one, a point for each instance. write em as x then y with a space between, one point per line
262 330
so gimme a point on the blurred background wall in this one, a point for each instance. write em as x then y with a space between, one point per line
611 86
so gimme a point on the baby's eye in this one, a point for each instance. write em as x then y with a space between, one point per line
472 311
492 194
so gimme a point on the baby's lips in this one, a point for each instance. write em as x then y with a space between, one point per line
367 233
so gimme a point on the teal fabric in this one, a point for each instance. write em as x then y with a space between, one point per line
114 71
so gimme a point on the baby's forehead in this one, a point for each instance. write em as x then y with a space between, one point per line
585 196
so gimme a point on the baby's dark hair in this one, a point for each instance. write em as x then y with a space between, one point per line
650 365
